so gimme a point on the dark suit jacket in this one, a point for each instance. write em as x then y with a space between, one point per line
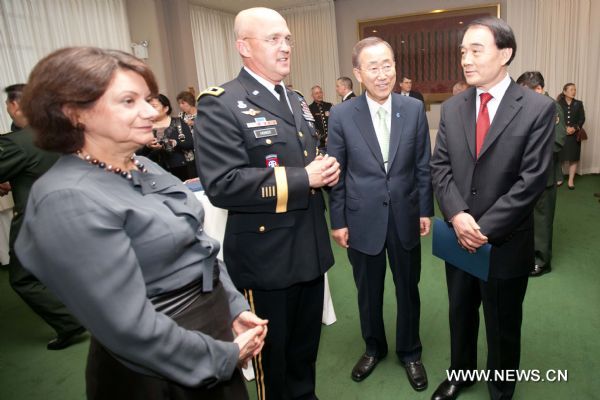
350 95
170 157
22 163
416 95
361 199
251 153
500 188
577 116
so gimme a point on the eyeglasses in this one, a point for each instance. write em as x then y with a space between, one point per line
384 69
275 40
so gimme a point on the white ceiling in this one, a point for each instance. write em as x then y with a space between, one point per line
234 6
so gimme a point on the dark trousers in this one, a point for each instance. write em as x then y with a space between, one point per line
369 276
285 369
39 298
543 219
503 311
108 379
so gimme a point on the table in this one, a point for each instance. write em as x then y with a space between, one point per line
6 212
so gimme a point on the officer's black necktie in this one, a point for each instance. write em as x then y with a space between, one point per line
282 99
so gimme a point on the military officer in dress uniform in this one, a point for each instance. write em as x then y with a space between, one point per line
256 151
21 164
320 111
543 213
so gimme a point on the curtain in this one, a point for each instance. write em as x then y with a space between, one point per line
314 56
561 39
30 29
217 59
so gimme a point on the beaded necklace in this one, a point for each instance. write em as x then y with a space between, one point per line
109 168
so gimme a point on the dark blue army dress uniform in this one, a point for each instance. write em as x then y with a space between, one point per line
251 154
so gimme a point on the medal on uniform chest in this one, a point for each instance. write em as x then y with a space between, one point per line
261 121
306 111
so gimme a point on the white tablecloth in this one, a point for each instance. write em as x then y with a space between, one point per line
214 225
6 211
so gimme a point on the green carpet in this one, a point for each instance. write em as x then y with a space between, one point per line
560 327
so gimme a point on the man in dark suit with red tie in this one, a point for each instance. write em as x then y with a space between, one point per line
493 149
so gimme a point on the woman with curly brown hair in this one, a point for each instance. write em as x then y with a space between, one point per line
121 242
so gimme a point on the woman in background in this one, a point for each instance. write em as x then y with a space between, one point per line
174 140
574 119
121 242
187 104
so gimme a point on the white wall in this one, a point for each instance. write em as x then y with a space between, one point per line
148 21
166 25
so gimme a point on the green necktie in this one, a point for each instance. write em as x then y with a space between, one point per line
383 135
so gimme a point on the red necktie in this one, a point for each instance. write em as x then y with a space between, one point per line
483 121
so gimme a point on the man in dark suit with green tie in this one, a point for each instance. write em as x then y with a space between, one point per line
21 164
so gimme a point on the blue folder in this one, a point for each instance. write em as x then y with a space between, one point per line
446 246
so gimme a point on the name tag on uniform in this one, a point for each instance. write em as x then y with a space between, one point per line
262 133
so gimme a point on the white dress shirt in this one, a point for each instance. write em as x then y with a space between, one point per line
497 93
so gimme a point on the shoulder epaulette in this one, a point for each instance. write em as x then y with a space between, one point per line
213 91
299 92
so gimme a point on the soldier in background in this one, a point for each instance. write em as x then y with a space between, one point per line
543 213
21 164
320 111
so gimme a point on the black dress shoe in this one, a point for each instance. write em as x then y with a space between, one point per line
539 271
571 187
363 368
415 370
65 340
449 391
